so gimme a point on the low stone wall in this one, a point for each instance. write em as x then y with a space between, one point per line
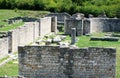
3 47
54 24
23 35
27 33
104 39
105 25
73 23
65 62
82 26
60 16
45 26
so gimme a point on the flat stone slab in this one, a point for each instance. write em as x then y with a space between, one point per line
104 39
116 35
56 40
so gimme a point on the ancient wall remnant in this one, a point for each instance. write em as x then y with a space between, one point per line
3 47
73 23
22 35
66 62
60 16
82 26
45 26
78 16
104 25
27 33
92 25
54 24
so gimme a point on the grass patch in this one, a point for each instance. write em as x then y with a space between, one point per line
98 34
1 60
9 69
10 27
6 14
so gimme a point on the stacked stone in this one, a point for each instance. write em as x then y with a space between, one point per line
65 62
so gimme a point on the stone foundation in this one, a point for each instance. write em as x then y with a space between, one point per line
66 62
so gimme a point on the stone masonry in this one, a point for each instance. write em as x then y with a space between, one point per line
3 47
104 25
27 34
92 25
60 16
66 62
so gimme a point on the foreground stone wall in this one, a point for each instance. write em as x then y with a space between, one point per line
65 62
3 47
92 25
104 25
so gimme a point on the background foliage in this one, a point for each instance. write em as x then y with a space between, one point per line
95 7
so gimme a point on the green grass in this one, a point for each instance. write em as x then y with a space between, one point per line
10 27
1 60
7 14
9 69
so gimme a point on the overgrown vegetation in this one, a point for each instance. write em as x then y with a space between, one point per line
11 27
95 7
1 60
7 14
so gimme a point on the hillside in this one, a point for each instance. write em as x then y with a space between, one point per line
95 7
7 14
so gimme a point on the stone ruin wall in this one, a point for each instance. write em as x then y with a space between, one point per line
3 47
26 34
64 62
92 25
23 35
82 26
60 16
105 25
45 26
72 23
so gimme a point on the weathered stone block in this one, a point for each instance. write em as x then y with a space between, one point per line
64 62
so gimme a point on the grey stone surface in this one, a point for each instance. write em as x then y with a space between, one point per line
54 24
26 34
104 25
78 16
116 35
45 26
92 25
73 36
104 39
65 62
57 39
3 47
60 16
73 23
